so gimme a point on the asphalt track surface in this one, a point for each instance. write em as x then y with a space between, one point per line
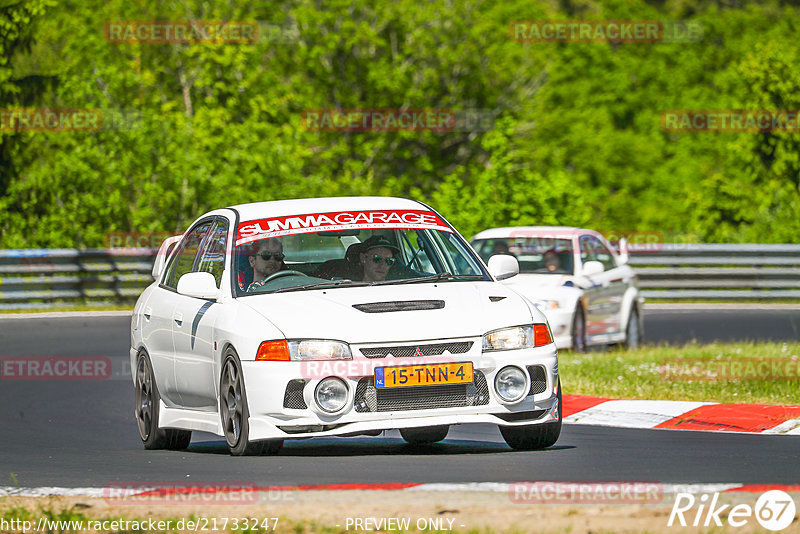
83 434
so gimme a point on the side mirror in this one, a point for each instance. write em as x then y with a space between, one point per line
591 268
198 285
161 255
503 266
623 251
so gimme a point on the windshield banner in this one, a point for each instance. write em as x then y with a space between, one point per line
341 220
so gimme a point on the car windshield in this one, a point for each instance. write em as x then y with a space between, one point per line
535 254
329 250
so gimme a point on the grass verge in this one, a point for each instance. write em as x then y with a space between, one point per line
742 373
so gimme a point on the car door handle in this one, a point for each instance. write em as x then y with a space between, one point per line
178 319
147 313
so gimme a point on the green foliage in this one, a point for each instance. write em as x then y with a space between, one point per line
577 139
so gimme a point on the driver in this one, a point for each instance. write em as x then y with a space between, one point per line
377 256
266 261
551 260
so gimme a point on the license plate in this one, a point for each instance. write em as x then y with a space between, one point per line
423 375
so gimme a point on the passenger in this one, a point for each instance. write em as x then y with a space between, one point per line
266 261
377 256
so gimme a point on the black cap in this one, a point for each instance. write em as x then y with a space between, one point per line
378 241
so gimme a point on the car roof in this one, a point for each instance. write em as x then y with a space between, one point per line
560 232
302 206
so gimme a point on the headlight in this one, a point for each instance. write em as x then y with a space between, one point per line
545 305
331 395
510 384
517 337
303 350
312 349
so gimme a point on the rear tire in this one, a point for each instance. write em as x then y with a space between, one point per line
148 402
579 330
425 435
534 437
235 413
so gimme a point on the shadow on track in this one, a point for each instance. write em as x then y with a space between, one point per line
343 447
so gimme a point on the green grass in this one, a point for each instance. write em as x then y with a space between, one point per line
641 374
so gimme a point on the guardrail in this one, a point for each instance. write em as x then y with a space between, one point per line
718 271
51 278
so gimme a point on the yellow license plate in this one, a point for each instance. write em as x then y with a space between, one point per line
423 375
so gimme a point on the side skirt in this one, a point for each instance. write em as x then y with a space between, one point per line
189 420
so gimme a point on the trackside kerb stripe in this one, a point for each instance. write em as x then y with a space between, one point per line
761 488
682 415
734 417
578 403
490 487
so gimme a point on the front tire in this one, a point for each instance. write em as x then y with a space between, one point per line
579 330
425 435
235 413
534 437
148 402
633 331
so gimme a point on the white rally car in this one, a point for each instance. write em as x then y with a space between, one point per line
588 293
340 316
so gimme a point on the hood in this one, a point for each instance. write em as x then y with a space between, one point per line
543 286
530 280
467 311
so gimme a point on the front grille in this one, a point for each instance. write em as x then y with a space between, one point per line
457 347
538 379
370 399
293 398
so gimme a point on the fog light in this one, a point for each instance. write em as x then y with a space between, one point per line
331 394
510 383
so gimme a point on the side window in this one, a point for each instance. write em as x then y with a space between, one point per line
212 259
186 255
592 249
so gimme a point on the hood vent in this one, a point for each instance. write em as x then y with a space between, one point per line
496 299
399 305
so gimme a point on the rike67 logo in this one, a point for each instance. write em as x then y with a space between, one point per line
774 510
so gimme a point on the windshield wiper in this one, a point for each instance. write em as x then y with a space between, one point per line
445 276
322 285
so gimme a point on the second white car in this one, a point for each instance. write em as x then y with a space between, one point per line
588 292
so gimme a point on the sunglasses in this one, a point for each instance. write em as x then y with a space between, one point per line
266 256
378 259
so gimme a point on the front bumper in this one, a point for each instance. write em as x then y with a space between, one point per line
271 417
